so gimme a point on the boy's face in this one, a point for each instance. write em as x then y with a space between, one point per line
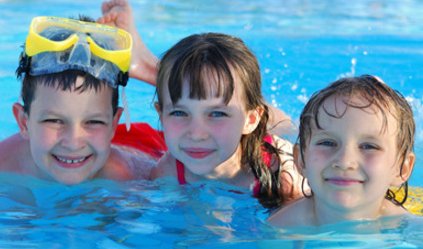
352 161
70 132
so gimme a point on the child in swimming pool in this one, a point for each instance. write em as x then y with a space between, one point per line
70 105
213 115
144 63
355 143
214 119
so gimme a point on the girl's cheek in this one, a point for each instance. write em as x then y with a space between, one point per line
173 127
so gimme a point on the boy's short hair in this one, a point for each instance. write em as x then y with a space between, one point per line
377 94
64 81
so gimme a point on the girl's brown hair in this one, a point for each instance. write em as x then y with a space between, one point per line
208 63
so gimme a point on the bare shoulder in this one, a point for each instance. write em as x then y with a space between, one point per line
166 166
291 177
14 153
126 163
285 149
298 213
390 209
280 123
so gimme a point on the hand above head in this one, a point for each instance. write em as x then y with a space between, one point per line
118 13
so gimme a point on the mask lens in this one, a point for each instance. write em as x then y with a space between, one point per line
56 33
103 41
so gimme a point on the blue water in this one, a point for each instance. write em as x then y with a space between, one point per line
301 46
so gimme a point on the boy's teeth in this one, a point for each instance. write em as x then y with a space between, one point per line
65 160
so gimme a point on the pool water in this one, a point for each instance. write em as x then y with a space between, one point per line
301 46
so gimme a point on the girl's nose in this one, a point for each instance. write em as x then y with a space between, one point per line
197 130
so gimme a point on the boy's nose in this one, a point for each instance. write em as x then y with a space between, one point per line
73 138
346 158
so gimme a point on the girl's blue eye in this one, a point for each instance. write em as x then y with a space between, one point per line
218 114
178 114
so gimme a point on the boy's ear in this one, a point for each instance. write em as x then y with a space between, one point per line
252 121
21 119
116 118
406 170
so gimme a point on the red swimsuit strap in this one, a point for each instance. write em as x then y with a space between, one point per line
267 159
180 170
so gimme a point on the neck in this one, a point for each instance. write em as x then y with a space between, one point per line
326 214
230 172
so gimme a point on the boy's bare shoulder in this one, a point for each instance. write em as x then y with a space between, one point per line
14 153
298 213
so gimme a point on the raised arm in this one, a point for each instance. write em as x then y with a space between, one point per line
118 13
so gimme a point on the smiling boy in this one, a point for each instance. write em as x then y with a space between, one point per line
72 70
355 145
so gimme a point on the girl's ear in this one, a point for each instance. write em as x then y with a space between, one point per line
406 170
158 109
21 119
298 159
252 121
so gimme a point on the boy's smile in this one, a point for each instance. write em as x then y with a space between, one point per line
67 162
70 131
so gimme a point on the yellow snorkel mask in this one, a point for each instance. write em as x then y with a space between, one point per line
57 44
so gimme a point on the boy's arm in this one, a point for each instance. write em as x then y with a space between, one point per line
118 13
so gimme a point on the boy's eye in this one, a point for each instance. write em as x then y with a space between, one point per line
218 114
53 121
367 146
96 122
178 113
327 143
